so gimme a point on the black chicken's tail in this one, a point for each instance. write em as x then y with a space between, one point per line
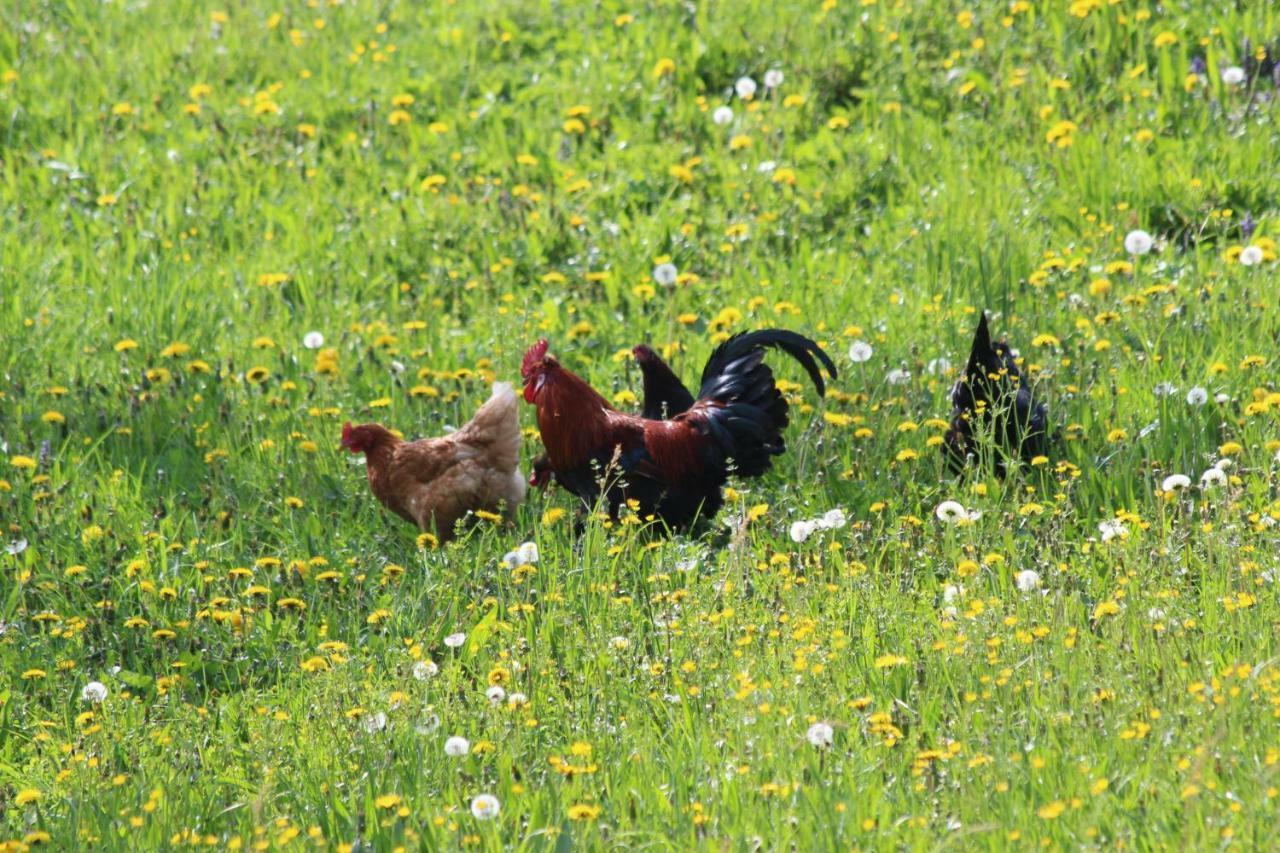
745 412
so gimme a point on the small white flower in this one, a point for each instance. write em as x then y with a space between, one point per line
485 807
1175 481
454 641
1027 580
1213 478
832 520
820 735
1233 75
745 87
94 691
424 669
457 746
665 274
1197 396
374 723
1138 242
898 376
313 340
1250 256
495 695
1165 389
619 643
802 530
722 116
1221 398
1113 529
766 167
859 351
397 367
939 366
951 592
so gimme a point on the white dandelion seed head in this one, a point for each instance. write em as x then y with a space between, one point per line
766 167
1113 529
495 695
951 512
833 519
1233 75
619 643
1213 478
313 340
802 530
859 351
820 735
722 116
665 274
424 669
951 592
1250 256
454 641
485 807
1175 481
522 556
374 723
94 692
1138 242
898 376
939 366
1165 389
773 78
427 725
1197 396
457 746
1027 580
1224 464
745 88
517 700
1221 397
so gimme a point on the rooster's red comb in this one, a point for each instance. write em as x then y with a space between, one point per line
642 352
346 431
534 355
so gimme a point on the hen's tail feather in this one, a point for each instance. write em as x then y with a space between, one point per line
745 345
496 427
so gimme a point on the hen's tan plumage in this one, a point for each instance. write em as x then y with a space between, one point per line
434 482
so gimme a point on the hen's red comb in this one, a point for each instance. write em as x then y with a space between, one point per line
346 432
642 352
534 355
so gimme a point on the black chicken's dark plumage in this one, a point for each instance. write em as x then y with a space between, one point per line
993 397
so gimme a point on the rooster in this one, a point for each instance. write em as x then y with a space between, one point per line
994 395
664 397
674 469
434 482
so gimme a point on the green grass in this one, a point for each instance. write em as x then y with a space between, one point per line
170 174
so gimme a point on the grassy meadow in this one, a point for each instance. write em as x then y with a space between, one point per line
231 227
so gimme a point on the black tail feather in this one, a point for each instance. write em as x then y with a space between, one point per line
799 347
